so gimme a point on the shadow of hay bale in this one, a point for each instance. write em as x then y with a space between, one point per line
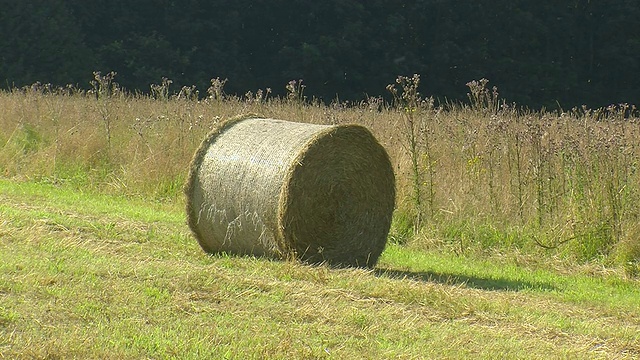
282 189
474 282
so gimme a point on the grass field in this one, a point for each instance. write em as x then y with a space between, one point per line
516 233
92 276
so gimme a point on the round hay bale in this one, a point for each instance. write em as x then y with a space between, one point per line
275 188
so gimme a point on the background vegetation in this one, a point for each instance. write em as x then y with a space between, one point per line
477 177
542 54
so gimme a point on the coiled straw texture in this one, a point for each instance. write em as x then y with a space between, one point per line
282 189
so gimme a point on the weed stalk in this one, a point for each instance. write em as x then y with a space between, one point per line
407 99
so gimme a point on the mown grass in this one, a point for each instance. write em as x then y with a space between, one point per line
88 275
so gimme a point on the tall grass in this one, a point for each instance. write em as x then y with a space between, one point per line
473 177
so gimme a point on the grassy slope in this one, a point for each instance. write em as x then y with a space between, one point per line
93 276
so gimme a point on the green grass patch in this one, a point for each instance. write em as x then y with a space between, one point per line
89 275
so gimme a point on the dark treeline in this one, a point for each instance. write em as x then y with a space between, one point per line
538 53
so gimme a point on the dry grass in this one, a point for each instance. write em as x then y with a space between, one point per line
490 175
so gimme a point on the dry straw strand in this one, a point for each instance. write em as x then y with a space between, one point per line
276 188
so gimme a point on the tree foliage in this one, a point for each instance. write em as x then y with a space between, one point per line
540 53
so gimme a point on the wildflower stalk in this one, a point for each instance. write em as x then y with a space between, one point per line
407 99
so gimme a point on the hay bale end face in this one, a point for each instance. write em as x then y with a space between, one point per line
275 188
